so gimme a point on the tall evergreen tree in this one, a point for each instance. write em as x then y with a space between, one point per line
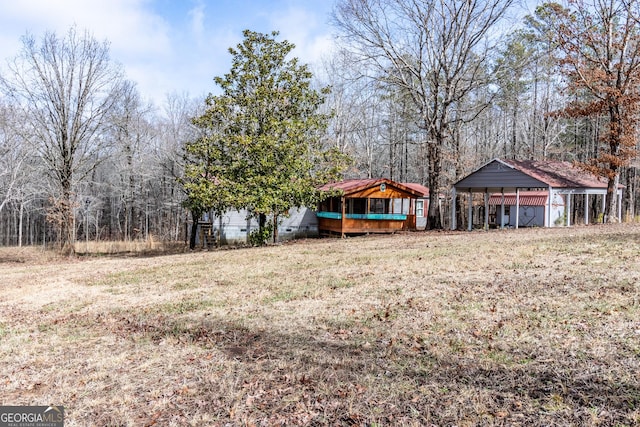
513 87
261 147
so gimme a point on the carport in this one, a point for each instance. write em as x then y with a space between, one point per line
558 179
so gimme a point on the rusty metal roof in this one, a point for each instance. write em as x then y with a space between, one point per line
350 186
532 174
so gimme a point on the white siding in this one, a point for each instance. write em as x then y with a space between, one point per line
235 227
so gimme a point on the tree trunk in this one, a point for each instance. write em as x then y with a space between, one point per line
435 164
195 217
616 127
275 227
67 223
630 193
21 215
610 207
514 132
262 222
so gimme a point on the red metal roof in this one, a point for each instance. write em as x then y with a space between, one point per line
417 187
527 198
558 174
350 185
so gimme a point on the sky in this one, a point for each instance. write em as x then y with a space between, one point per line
171 46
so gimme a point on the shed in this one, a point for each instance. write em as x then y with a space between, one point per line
530 205
512 176
374 205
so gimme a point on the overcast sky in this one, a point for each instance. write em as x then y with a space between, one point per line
171 45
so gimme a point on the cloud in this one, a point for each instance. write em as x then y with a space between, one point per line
197 15
139 38
306 28
127 24
171 45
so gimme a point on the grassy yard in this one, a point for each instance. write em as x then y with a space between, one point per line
519 327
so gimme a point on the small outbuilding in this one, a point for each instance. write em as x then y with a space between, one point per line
375 205
532 208
509 180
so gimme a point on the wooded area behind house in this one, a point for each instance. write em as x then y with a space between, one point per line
420 91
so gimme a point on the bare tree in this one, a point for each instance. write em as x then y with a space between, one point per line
437 51
343 103
598 51
175 128
131 131
12 155
65 87
19 172
364 121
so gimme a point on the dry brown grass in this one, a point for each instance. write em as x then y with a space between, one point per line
137 247
526 327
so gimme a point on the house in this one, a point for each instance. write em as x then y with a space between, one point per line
235 226
370 206
555 178
375 205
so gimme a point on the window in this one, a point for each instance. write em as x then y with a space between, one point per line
420 208
331 204
378 206
357 206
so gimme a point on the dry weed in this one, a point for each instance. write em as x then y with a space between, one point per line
526 327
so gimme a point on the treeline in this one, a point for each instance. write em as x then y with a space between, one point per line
420 91
82 156
128 191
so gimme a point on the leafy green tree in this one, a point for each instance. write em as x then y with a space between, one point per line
205 163
513 85
261 148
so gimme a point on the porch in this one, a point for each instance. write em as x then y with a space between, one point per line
369 206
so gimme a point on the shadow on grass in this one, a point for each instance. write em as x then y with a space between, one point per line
355 377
